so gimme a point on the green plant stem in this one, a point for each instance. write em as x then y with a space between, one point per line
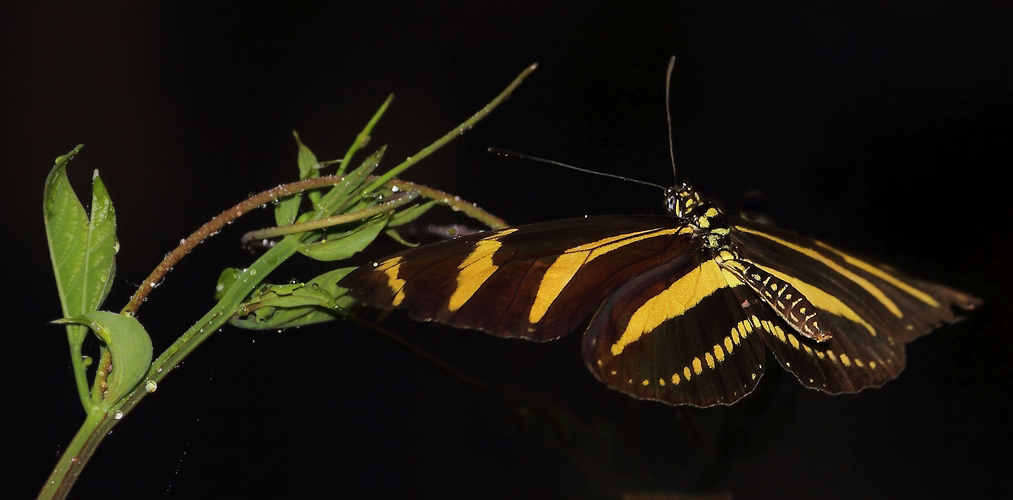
470 122
69 467
216 224
452 201
363 138
80 372
103 417
394 202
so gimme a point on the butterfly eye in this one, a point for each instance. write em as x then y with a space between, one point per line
672 206
681 201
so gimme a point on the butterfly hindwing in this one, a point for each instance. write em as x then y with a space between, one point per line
677 333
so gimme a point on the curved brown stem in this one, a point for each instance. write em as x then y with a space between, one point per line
216 224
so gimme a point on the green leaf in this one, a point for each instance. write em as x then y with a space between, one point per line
394 235
129 346
329 282
344 245
225 281
284 306
82 250
409 214
307 160
309 167
287 209
350 190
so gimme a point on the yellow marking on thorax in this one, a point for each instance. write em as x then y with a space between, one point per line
566 266
476 268
678 298
883 275
858 280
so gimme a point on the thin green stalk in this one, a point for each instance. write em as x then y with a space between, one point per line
80 372
453 134
363 138
103 416
452 201
329 202
394 202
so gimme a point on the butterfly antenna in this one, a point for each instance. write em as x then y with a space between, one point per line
668 114
504 152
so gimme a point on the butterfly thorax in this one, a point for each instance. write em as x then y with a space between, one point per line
706 218
709 223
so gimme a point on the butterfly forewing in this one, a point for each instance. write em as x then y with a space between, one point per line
537 282
869 311
880 298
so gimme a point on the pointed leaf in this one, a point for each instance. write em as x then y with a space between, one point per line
225 281
347 192
394 235
82 250
344 245
287 209
129 346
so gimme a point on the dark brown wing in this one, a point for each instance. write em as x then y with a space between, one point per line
537 282
870 311
681 333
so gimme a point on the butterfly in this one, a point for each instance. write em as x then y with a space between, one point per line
682 306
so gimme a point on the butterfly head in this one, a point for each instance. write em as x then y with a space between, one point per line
681 201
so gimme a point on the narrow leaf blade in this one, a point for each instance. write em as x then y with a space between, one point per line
286 211
338 247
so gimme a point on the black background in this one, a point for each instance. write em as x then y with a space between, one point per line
880 126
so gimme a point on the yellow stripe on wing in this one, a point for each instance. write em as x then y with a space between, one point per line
883 275
390 268
821 299
476 268
686 292
837 268
566 265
